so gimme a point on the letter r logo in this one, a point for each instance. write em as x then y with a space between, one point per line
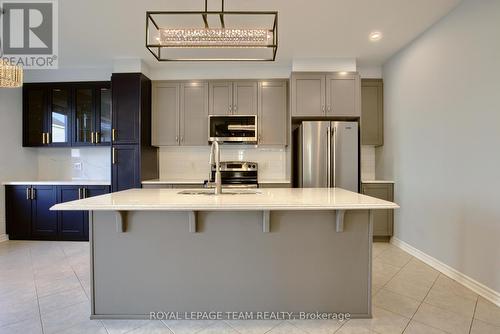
28 28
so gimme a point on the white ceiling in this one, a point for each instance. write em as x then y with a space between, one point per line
94 32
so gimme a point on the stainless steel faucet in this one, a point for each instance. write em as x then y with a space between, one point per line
215 155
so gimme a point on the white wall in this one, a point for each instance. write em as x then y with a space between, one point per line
16 162
442 140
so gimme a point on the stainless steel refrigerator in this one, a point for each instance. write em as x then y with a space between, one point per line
326 154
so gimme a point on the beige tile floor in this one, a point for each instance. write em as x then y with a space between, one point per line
44 288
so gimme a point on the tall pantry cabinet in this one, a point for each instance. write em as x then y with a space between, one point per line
133 159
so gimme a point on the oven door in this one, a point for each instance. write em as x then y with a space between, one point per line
232 129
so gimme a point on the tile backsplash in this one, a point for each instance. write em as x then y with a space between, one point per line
367 162
92 163
192 162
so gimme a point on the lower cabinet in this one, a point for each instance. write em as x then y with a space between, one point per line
29 217
383 220
125 167
43 221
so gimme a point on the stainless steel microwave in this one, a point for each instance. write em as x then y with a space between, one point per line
232 129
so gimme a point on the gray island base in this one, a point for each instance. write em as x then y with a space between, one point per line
223 258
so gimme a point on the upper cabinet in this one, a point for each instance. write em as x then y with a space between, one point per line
233 97
92 124
372 115
180 109
67 114
194 113
46 115
180 113
272 118
59 116
325 95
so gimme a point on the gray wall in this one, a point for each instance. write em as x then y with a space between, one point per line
442 140
16 162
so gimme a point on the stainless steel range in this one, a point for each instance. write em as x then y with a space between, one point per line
237 174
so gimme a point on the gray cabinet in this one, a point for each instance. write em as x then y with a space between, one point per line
308 94
383 220
275 185
194 114
233 98
220 97
372 112
343 95
180 113
166 109
272 113
325 95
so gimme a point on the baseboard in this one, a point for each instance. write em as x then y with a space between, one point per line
481 289
4 237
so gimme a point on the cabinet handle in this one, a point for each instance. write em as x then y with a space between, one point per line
92 137
113 134
33 193
28 193
329 108
230 109
79 193
97 137
323 109
235 108
113 157
177 139
49 137
43 138
182 139
84 192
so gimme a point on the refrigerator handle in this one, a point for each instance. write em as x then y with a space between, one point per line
329 156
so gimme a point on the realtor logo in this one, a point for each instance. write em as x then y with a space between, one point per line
29 33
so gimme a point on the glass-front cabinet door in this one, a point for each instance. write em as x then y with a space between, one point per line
84 126
103 115
59 117
34 109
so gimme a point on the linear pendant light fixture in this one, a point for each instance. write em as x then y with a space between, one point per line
212 35
11 76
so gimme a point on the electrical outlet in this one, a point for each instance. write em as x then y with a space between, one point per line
77 166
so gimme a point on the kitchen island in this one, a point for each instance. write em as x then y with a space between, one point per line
277 250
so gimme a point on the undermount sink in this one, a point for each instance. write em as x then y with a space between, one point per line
224 192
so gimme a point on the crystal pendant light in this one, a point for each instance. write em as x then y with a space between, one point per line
212 35
11 76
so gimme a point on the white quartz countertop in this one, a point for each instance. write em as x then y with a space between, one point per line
266 199
377 181
198 181
60 183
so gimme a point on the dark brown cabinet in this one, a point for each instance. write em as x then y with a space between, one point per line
132 156
29 217
43 221
46 115
66 114
59 117
92 125
74 225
